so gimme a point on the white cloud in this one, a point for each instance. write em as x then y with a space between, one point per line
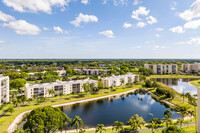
136 2
2 42
107 33
134 47
127 25
4 17
84 18
151 20
141 24
34 5
192 24
173 6
57 29
138 46
178 29
22 27
84 2
159 29
45 28
192 41
140 11
157 35
193 12
156 47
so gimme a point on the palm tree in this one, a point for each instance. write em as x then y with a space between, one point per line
193 102
100 128
77 121
183 112
167 118
154 124
68 121
183 95
135 122
117 125
51 92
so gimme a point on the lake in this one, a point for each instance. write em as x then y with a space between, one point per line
106 111
179 85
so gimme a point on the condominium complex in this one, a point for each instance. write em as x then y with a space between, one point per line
67 87
191 68
162 68
4 89
92 71
114 81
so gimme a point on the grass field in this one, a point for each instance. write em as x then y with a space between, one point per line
195 83
6 120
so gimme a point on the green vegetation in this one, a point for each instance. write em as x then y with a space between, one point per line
195 83
174 76
45 120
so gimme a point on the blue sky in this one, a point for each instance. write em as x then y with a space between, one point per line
100 29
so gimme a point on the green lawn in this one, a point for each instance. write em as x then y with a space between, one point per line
173 76
195 83
190 129
7 119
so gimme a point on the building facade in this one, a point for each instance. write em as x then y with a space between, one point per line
4 89
191 68
92 71
67 87
163 68
115 81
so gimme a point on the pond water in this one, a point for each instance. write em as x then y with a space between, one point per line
179 85
106 111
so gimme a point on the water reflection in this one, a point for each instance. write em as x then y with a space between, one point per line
180 85
121 108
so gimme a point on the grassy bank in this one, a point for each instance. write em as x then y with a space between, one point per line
190 129
177 100
195 83
173 76
6 120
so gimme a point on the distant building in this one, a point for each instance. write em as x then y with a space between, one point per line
61 73
191 68
92 71
114 81
4 89
162 68
64 87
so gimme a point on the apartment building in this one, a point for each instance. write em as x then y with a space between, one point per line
114 81
162 68
4 89
92 71
64 87
191 68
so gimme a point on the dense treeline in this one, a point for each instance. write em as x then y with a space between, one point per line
19 64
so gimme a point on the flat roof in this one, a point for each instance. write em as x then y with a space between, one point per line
60 83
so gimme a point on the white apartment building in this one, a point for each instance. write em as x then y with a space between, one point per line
64 87
114 81
191 68
162 68
4 89
92 71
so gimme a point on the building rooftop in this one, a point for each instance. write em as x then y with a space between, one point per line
60 83
120 76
